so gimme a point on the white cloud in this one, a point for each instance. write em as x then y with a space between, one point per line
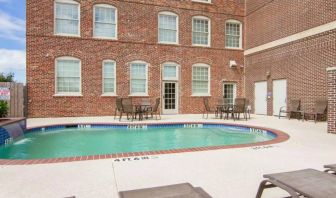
13 61
12 28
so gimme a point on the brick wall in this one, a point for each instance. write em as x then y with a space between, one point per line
303 62
331 99
272 20
137 40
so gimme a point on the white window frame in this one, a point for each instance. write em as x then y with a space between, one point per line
177 27
200 1
79 17
115 79
130 75
240 36
209 33
234 89
176 78
209 77
116 21
80 77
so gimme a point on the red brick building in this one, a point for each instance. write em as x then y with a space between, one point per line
180 50
82 55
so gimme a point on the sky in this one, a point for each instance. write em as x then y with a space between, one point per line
12 38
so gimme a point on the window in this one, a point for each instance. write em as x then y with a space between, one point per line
233 34
68 76
109 77
66 17
203 1
105 21
200 80
230 92
139 75
170 71
201 31
168 28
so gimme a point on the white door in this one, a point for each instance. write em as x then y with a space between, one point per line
260 98
170 98
279 95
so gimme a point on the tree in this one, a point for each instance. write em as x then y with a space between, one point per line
6 77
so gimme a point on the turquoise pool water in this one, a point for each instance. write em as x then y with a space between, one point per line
73 142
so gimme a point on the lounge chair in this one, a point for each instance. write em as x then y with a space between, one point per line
294 108
320 111
331 168
238 108
118 108
184 190
155 110
308 183
128 108
207 108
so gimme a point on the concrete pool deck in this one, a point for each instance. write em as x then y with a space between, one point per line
229 173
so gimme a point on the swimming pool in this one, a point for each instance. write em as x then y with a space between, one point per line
65 141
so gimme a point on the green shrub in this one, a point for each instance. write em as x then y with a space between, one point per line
3 109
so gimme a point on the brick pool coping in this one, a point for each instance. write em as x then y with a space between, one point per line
281 137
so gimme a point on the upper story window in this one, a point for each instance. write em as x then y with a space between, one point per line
201 31
109 77
233 34
200 80
105 21
67 18
68 76
203 1
139 78
168 28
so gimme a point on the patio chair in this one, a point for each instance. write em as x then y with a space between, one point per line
128 108
238 108
226 108
118 108
308 183
294 108
320 111
184 190
207 108
331 168
155 110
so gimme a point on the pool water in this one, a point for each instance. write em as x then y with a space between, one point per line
73 142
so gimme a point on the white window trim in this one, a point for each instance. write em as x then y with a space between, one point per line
234 89
209 77
115 79
94 21
209 33
176 78
199 1
240 36
146 89
79 18
80 77
177 28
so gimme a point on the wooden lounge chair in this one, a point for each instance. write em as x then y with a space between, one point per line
207 108
155 110
294 109
308 183
331 168
238 108
184 190
118 108
320 111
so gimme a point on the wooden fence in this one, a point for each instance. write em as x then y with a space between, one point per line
17 102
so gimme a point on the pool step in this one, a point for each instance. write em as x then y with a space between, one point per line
184 190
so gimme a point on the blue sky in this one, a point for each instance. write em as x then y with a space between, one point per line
12 38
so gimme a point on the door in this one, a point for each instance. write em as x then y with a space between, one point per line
170 101
279 95
260 98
